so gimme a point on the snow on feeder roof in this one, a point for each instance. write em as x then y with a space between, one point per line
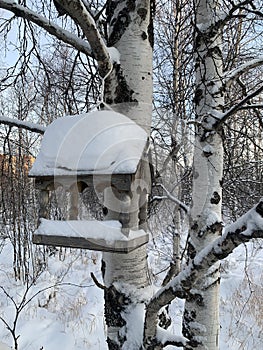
100 142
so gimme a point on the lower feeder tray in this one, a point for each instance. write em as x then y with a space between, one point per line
94 235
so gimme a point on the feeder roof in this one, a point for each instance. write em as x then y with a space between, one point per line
100 142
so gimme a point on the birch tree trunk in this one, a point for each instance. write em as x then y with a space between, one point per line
128 90
201 316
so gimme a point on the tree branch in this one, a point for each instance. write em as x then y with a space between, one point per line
175 200
248 226
252 106
230 76
166 338
224 116
51 28
40 129
77 10
237 7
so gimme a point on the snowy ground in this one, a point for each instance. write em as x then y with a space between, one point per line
68 313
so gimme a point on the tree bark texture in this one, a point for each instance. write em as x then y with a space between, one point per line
129 87
201 316
128 90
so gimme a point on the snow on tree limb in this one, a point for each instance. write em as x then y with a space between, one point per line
51 28
40 129
248 226
78 11
166 338
230 76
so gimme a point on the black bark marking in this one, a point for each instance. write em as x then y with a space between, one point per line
191 251
216 198
115 303
110 9
194 227
207 153
122 91
119 26
198 96
214 52
165 320
112 345
60 9
208 36
120 23
150 29
197 298
215 283
216 227
259 208
142 12
103 268
144 36
189 316
105 211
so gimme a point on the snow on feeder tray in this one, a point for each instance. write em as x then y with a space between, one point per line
104 150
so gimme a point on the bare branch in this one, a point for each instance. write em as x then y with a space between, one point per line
175 200
51 28
40 129
98 284
236 107
252 106
242 5
77 10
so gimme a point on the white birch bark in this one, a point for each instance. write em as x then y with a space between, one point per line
201 317
128 90
131 34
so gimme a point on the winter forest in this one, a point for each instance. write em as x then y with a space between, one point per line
150 111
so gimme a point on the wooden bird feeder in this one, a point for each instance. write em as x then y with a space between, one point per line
109 152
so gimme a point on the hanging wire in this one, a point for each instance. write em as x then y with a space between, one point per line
101 100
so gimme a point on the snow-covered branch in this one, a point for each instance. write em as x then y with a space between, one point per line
40 129
51 28
248 226
166 338
78 11
230 76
